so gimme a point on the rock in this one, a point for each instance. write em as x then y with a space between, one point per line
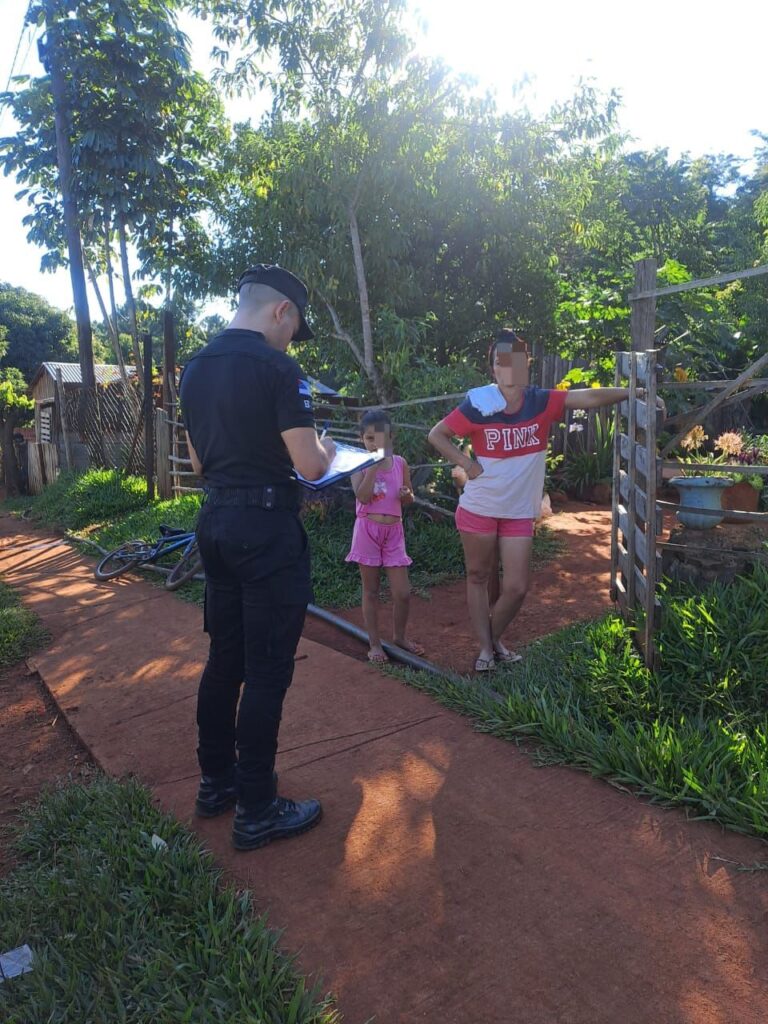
601 493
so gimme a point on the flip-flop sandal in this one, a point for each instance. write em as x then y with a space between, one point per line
485 665
509 656
413 647
377 659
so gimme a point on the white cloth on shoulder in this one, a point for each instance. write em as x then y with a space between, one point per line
487 400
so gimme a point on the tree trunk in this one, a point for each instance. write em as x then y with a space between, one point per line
129 299
109 323
10 466
71 225
169 332
52 58
369 360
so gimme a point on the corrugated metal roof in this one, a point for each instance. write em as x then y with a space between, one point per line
105 373
319 387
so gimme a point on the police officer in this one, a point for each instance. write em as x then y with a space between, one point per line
248 413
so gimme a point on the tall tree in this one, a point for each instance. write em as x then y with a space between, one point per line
34 331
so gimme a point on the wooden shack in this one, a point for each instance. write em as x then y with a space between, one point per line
58 440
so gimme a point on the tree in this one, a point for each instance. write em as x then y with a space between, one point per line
144 132
35 331
16 409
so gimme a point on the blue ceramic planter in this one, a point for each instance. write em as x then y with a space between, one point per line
700 492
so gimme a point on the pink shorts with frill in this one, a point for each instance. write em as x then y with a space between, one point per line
381 544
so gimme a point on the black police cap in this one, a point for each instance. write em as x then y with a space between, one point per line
287 284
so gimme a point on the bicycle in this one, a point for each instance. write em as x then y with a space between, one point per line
137 553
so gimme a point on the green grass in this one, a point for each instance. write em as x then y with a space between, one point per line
20 631
77 500
694 733
123 932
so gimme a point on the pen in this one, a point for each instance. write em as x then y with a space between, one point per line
325 429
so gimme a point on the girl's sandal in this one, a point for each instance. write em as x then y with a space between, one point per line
485 665
377 659
508 656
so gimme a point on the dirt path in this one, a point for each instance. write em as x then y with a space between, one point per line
37 747
451 881
572 588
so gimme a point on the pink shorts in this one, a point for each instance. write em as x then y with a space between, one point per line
471 522
380 544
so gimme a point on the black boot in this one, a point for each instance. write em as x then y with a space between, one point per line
280 819
216 794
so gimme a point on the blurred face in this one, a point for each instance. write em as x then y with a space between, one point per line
378 437
510 369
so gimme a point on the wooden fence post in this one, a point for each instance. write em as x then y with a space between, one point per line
149 422
163 459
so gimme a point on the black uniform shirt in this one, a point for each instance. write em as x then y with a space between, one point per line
237 395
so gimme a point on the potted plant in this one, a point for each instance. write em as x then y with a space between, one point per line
695 487
743 494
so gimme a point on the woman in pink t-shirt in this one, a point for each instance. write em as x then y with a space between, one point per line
378 540
508 424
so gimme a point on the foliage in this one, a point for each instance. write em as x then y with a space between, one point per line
584 466
16 406
20 630
144 130
16 409
35 331
77 500
693 733
124 931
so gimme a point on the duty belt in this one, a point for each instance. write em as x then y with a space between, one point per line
269 496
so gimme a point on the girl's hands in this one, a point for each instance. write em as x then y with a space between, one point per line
474 470
405 494
460 477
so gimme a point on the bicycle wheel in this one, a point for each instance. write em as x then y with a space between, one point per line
187 566
122 559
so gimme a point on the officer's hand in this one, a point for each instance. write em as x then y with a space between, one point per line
330 447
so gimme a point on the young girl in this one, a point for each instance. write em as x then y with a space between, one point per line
378 540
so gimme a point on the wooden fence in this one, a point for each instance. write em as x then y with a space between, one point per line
638 466
42 465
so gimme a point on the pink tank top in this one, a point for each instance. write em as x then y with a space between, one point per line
385 500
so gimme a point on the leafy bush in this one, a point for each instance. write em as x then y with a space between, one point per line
584 467
76 500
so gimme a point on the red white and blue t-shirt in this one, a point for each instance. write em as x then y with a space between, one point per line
512 449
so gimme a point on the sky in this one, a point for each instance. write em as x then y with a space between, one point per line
691 75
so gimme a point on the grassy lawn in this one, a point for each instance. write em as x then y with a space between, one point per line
122 931
695 732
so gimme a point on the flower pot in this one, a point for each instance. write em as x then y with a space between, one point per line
741 497
700 492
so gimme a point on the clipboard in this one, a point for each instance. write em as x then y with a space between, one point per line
348 460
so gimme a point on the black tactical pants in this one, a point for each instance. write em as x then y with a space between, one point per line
258 586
